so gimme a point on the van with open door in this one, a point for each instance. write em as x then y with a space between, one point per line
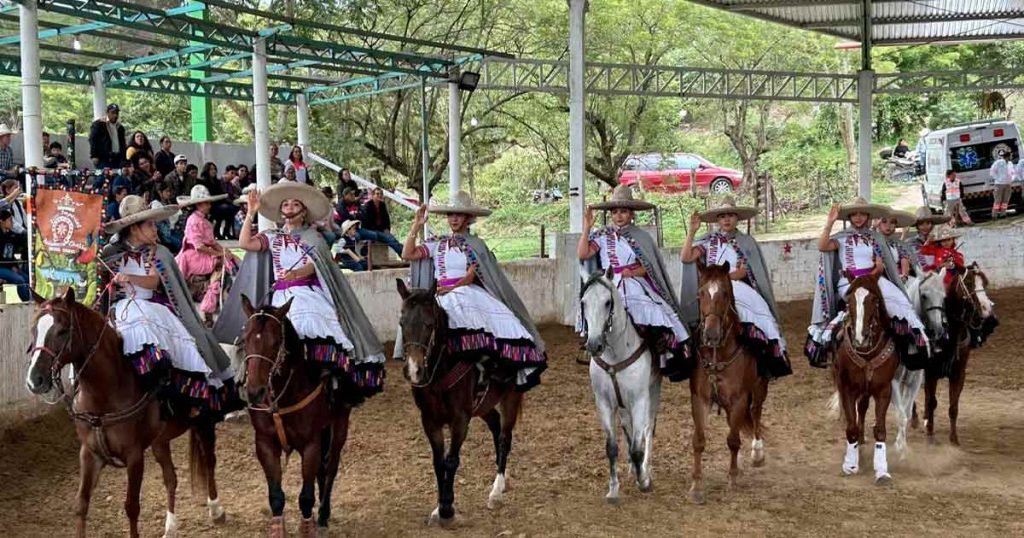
969 150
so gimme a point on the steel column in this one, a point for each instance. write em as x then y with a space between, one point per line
865 83
31 97
261 117
577 140
454 138
99 95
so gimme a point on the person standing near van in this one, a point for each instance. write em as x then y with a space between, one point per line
954 203
1002 173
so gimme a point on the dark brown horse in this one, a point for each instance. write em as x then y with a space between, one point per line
726 375
290 410
968 309
866 362
115 417
445 390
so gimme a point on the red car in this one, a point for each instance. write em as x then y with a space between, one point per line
671 173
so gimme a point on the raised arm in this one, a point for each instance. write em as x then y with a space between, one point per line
410 252
825 242
584 248
245 238
690 253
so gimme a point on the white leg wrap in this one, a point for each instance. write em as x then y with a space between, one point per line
851 462
216 510
171 526
881 463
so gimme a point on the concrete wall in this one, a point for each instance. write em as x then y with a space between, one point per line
15 332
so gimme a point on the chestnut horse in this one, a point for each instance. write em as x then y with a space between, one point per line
115 417
969 309
726 375
290 410
445 391
865 365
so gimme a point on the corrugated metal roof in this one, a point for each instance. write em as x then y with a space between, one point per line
893 22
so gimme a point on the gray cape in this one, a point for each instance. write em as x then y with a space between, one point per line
825 306
255 279
177 292
761 281
489 275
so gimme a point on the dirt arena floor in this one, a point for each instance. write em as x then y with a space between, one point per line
558 474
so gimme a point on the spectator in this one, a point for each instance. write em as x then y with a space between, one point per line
346 251
13 270
191 178
55 158
208 178
349 209
902 149
145 178
243 208
345 181
289 173
224 211
7 167
163 195
106 140
954 206
118 190
1002 184
244 179
10 189
276 166
374 216
202 258
327 227
164 159
295 161
138 145
177 176
46 142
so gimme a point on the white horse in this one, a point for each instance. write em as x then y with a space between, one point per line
625 380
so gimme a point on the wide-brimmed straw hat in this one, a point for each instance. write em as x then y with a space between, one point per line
622 198
726 206
198 195
244 198
5 130
460 203
318 207
860 205
945 232
134 210
348 224
902 218
925 215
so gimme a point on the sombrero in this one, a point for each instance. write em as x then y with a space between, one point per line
198 195
622 197
5 130
925 215
725 206
134 210
345 226
460 203
860 205
902 218
945 232
318 207
244 198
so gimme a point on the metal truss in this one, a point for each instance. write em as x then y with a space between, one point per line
949 81
49 71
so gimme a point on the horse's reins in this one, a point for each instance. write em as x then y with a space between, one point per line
613 369
276 412
714 367
880 353
428 350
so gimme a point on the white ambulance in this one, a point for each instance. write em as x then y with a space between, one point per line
969 150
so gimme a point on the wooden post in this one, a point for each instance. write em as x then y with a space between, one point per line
543 251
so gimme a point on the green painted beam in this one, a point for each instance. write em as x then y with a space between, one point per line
201 108
129 76
158 57
351 88
274 68
368 93
90 26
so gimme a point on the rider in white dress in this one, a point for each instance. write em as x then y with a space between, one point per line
640 277
150 313
855 252
484 311
751 282
886 226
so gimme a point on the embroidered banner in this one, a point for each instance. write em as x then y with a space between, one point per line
67 230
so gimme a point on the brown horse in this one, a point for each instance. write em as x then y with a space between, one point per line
729 377
290 410
115 417
445 390
969 309
865 365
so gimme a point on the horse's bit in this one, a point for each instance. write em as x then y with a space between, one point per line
428 350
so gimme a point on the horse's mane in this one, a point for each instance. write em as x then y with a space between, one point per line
871 285
715 272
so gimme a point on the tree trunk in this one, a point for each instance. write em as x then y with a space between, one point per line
849 143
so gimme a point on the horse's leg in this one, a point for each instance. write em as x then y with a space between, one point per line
510 406
851 461
89 469
699 408
268 452
459 427
136 466
862 413
311 458
162 455
957 378
931 384
760 394
607 410
881 463
337 439
652 423
208 440
915 422
736 414
898 403
435 435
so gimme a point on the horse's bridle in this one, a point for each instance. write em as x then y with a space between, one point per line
973 318
428 350
58 364
611 311
726 329
275 367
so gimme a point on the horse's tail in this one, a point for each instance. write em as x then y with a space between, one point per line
199 434
832 408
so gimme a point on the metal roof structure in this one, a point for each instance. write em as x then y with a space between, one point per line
890 22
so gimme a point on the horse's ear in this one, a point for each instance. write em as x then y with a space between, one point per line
39 299
247 306
69 295
403 290
283 311
433 288
610 273
728 268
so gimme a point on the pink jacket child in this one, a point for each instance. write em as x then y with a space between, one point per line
201 254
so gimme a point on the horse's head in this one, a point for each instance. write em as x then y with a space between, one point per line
597 308
976 283
424 326
716 304
52 335
932 296
265 343
865 307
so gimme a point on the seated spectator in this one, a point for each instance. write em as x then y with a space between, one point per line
346 250
191 179
178 175
13 270
244 179
349 209
289 174
138 146
7 166
223 214
345 181
55 158
295 161
375 217
164 159
243 208
163 195
10 189
145 178
119 188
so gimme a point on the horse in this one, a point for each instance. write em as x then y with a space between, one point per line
625 380
290 410
445 389
969 309
726 375
927 295
865 366
115 417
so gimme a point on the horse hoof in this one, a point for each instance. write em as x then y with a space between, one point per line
932 441
436 519
850 471
697 497
883 480
276 527
495 502
915 423
613 501
308 528
759 462
954 440
220 519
